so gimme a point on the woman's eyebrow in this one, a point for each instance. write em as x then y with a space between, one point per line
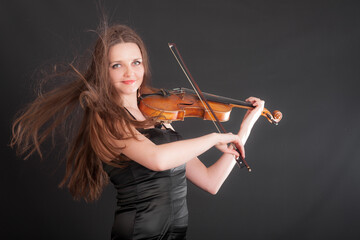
118 61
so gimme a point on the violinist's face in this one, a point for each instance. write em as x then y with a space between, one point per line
126 69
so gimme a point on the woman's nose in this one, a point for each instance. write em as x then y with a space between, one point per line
129 71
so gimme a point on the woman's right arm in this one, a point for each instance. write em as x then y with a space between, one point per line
170 155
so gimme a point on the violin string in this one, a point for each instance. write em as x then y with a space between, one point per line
192 85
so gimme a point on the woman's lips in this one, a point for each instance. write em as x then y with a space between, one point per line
128 82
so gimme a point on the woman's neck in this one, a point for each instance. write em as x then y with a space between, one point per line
130 102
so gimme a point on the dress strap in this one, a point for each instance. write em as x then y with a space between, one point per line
130 113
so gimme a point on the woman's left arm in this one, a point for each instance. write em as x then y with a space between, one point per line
211 178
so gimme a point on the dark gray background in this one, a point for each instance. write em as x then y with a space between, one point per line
302 57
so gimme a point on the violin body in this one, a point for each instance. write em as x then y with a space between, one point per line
177 104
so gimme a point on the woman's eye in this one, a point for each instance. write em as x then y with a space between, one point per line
116 66
137 62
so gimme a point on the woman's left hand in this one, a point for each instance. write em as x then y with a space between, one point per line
250 118
259 108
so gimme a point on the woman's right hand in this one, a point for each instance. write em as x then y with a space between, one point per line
224 139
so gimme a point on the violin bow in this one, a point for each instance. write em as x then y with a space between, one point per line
220 128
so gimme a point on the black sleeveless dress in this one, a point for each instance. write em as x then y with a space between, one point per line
150 204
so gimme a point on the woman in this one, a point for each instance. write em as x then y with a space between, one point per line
147 162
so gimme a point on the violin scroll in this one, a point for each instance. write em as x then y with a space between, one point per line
273 118
277 116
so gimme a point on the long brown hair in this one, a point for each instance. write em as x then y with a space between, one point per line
93 91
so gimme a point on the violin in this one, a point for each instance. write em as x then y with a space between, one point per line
179 103
176 104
